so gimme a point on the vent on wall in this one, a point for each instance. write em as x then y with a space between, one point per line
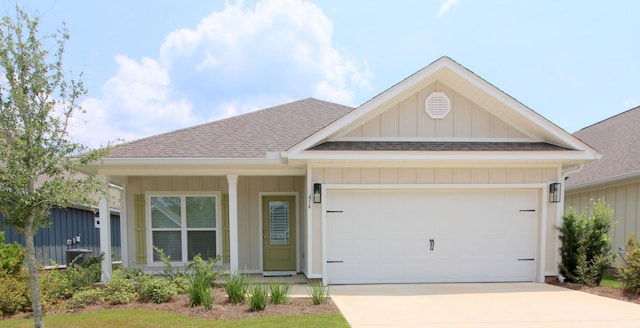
437 105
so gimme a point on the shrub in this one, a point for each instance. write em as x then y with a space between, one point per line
280 292
236 287
629 266
258 297
11 256
319 294
86 297
15 294
84 275
200 281
586 244
54 286
119 290
158 290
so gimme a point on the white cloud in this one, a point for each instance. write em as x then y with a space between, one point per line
236 60
446 6
136 102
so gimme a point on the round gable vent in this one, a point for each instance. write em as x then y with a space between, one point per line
437 105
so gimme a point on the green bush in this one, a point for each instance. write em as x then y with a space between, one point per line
586 243
119 290
157 290
236 287
200 280
319 294
258 297
84 275
86 297
15 294
629 266
54 287
280 292
11 256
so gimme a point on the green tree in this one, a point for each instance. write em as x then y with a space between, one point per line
38 160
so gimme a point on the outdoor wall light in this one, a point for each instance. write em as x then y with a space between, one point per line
554 192
317 193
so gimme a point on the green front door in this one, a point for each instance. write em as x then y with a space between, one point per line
279 233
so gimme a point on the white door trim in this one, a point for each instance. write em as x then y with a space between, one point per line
295 194
540 235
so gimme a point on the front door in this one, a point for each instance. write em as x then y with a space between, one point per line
279 233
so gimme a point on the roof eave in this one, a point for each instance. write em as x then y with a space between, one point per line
619 179
571 155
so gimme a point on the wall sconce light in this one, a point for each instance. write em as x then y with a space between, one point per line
554 192
317 193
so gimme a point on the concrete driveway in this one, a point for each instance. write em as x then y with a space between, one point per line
479 305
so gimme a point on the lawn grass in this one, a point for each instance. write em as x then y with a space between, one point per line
151 318
610 281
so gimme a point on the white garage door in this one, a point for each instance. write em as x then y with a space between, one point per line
402 236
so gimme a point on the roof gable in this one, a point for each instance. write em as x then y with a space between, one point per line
618 138
408 119
507 114
252 135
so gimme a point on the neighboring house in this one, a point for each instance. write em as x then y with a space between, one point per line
75 225
441 178
616 177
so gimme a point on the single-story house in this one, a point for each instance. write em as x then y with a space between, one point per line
441 178
616 177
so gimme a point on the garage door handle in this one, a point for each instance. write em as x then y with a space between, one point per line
335 261
432 244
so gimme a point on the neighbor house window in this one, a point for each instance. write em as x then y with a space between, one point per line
184 226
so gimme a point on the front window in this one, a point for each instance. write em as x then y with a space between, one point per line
184 226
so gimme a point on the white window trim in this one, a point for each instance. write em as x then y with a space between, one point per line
218 200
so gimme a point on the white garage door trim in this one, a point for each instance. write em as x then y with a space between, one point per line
542 226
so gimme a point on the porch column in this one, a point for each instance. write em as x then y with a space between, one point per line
105 232
233 222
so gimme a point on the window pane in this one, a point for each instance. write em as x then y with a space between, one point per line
170 242
203 243
201 212
278 223
165 212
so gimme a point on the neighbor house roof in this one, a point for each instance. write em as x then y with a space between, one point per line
251 135
618 139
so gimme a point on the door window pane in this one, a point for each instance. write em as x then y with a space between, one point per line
170 242
203 243
278 223
165 212
201 212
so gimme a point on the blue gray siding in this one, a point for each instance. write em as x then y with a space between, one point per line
51 242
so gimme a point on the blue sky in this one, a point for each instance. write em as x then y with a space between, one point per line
156 66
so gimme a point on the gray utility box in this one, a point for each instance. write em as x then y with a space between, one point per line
79 254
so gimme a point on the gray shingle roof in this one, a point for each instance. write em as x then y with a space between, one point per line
251 135
618 139
435 146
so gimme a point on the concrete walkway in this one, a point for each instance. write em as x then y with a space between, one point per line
480 305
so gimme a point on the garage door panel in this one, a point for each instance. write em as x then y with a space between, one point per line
478 235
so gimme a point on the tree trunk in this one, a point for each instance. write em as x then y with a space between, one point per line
32 267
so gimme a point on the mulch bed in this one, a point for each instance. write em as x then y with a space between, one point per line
611 292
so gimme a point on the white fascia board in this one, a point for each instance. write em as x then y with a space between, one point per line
186 161
445 156
529 114
195 166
